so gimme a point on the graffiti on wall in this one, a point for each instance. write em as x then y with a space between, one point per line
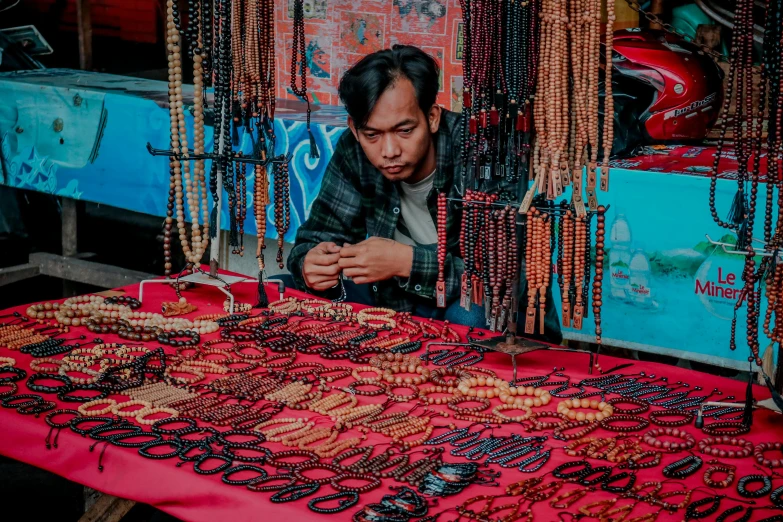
339 33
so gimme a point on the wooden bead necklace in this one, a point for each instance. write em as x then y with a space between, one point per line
538 264
181 184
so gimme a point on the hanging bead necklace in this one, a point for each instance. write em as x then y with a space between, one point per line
194 190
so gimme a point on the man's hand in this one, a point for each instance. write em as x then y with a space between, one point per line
376 259
320 268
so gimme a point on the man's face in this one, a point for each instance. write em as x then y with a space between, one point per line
398 136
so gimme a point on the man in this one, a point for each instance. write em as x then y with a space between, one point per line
374 220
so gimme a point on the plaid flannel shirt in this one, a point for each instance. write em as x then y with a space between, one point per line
356 202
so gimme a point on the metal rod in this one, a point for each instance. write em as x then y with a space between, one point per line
240 159
545 210
214 247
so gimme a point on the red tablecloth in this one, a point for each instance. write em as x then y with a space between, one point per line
189 496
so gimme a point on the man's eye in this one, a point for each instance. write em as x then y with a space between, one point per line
406 131
370 136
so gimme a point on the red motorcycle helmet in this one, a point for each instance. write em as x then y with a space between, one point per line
666 90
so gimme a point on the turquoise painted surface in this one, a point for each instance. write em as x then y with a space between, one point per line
670 289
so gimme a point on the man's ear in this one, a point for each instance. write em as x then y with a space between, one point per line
353 128
433 118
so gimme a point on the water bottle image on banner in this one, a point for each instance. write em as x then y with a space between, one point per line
620 258
640 278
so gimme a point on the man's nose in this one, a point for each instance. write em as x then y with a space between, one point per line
390 147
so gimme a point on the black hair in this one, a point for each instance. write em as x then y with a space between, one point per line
362 85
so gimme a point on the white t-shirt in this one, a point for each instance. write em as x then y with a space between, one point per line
415 226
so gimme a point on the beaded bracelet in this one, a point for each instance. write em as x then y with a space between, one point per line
706 446
731 429
571 448
560 471
604 410
159 425
352 388
65 394
210 435
119 439
170 338
38 365
261 459
12 389
256 485
719 467
425 392
758 454
35 377
100 433
243 482
275 461
240 348
198 375
606 484
36 409
608 423
602 472
118 408
656 418
455 405
59 425
600 448
257 438
402 398
347 499
103 422
17 374
373 483
518 418
683 468
651 438
140 417
225 463
343 371
641 406
85 410
586 427
27 399
638 461
623 451
144 451
776 497
389 375
292 493
282 360
742 486
356 374
540 425
305 466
